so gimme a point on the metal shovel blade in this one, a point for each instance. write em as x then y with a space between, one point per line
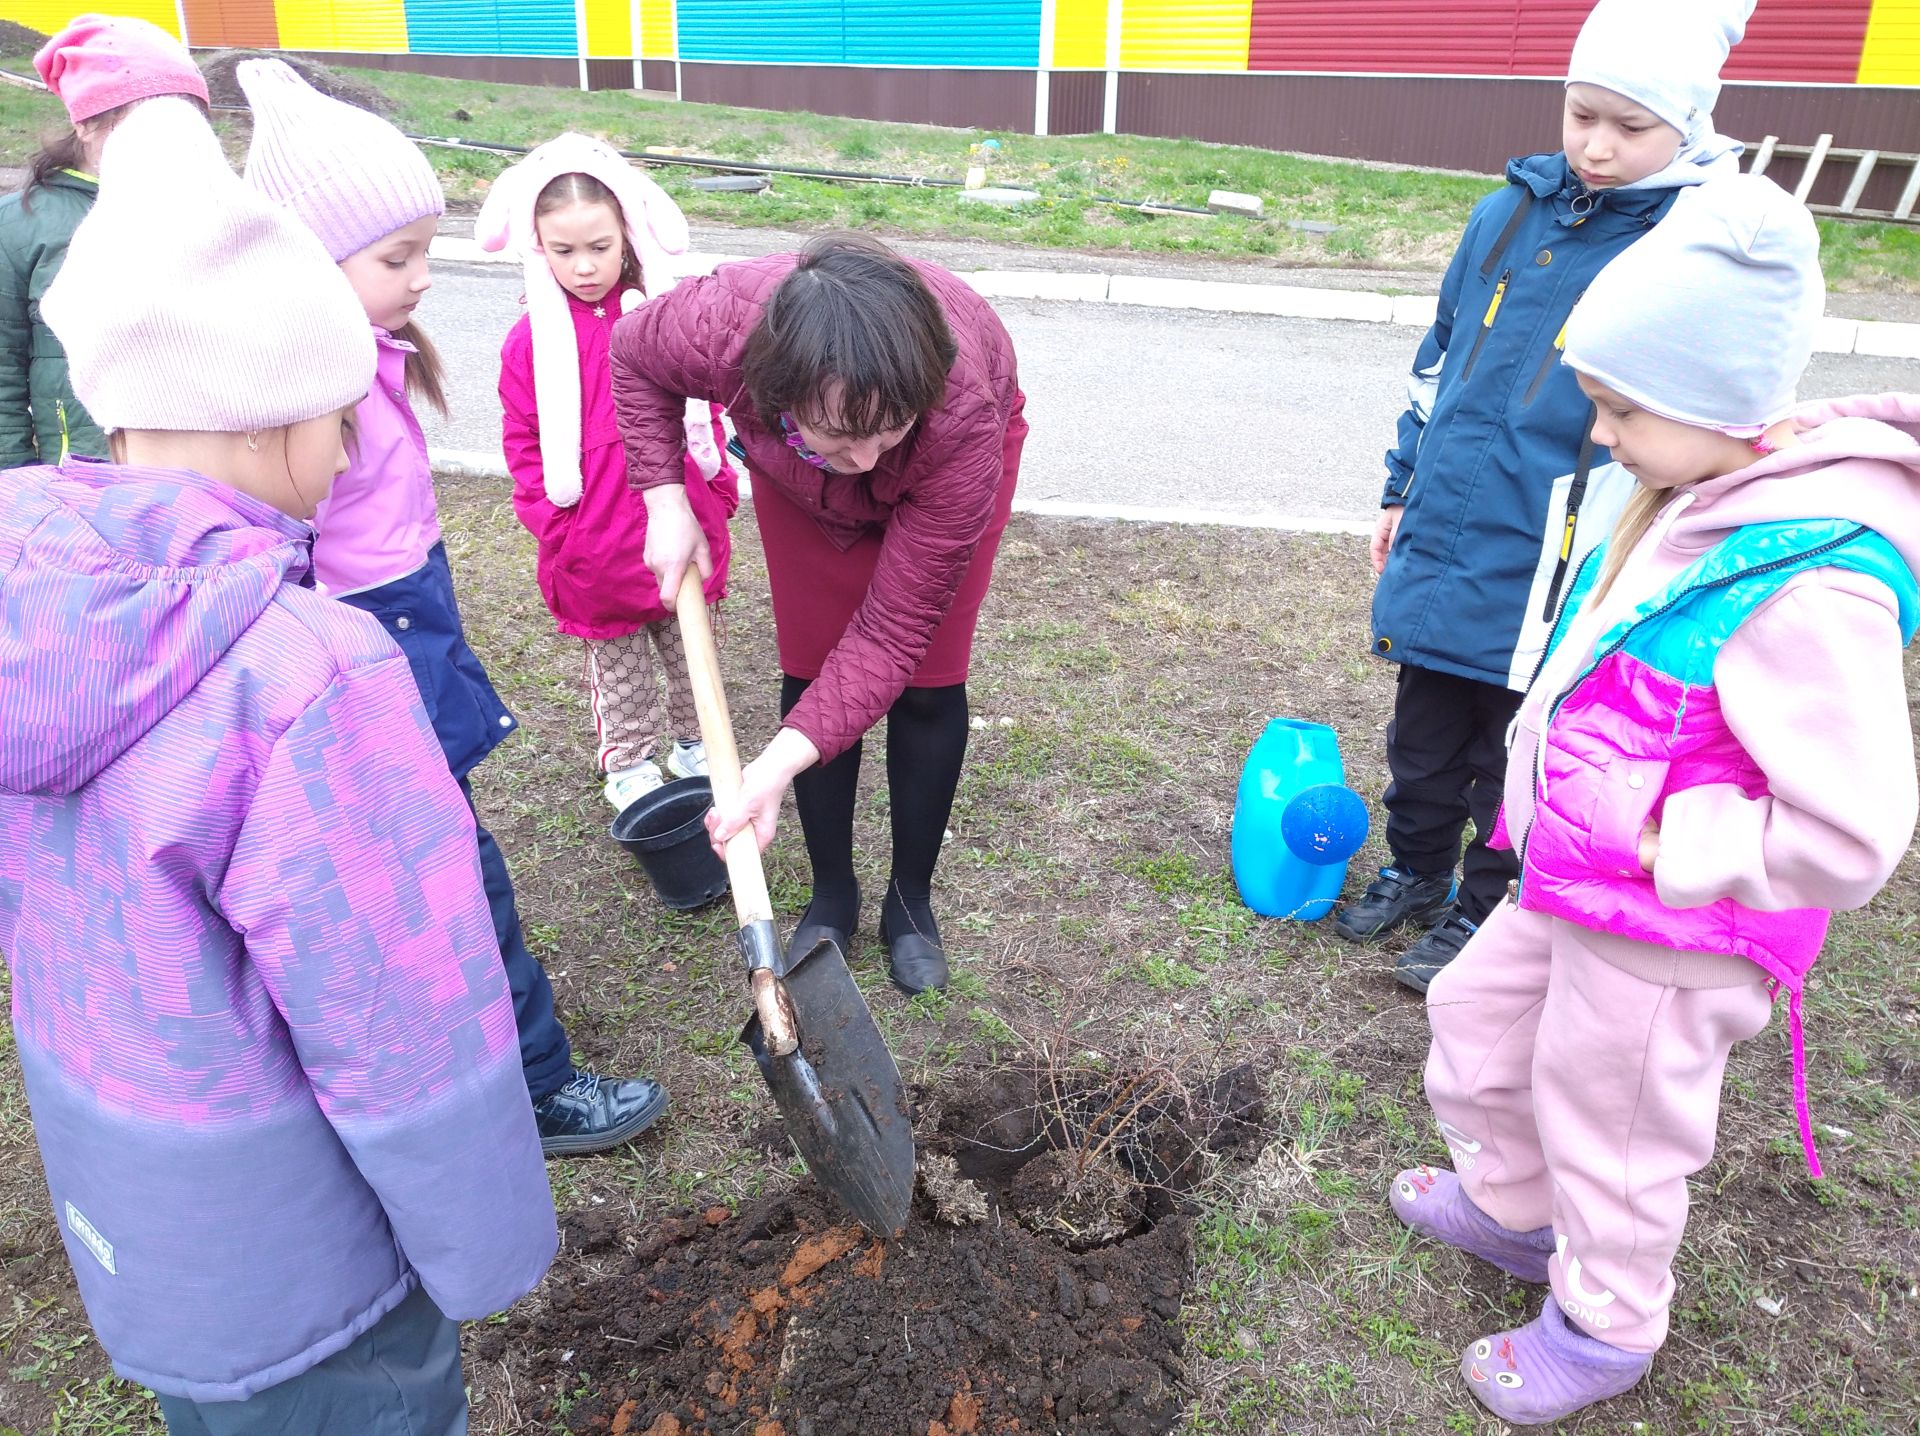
841 1094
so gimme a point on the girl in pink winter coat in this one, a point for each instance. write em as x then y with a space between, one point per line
596 236
1715 754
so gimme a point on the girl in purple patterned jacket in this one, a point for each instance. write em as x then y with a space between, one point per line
1715 754
259 1009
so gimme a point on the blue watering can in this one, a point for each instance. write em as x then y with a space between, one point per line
1295 822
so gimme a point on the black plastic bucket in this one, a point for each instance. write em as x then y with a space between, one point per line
666 832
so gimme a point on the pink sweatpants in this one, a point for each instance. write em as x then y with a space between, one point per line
1577 1095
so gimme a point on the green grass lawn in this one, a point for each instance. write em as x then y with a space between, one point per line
1385 218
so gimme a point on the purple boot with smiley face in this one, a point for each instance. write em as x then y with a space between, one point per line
1432 1202
1547 1370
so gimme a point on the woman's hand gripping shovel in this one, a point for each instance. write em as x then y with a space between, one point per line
811 1032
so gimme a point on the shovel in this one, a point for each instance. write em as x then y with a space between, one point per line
811 1032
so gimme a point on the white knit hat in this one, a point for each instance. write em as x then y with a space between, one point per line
1663 54
351 176
1710 319
187 302
656 232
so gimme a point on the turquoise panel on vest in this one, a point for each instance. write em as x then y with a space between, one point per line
1680 630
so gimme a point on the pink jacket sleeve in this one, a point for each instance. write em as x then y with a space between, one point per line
1814 688
670 349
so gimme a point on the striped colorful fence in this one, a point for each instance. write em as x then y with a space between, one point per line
1338 76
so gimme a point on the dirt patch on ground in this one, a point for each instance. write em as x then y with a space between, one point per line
17 40
224 89
1008 1304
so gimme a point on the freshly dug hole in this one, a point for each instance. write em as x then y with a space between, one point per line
786 1320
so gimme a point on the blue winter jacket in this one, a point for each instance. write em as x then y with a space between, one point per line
1499 506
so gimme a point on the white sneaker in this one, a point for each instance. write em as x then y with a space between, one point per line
688 760
629 785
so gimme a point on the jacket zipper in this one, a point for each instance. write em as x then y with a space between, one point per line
60 411
1576 495
1619 643
1548 363
1486 324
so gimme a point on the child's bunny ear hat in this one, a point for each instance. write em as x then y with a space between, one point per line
656 232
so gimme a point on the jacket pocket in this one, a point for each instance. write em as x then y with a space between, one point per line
1626 792
403 629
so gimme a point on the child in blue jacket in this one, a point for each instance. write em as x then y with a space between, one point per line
1496 489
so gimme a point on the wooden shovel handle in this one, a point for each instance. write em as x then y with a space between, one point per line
750 900
746 876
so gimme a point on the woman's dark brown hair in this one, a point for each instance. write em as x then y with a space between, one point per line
578 188
854 311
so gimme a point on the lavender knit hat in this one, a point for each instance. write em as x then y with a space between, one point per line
189 303
350 176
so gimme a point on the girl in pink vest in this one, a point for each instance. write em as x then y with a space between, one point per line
1715 754
596 236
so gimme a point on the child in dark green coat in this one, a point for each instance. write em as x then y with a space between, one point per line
101 65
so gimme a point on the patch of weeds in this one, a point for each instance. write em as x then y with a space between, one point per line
1167 974
994 1031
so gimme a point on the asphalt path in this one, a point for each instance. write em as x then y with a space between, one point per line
1228 414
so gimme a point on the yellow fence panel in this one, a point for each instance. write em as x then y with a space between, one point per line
370 27
49 16
1080 35
1185 34
656 29
1891 55
610 29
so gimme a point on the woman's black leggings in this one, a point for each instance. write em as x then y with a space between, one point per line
926 745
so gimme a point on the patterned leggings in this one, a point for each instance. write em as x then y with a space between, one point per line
627 712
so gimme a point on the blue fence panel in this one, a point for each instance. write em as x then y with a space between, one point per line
491 27
968 33
795 32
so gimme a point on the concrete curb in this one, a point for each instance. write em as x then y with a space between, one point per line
1882 338
480 465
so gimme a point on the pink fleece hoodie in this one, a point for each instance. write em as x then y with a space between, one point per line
1812 685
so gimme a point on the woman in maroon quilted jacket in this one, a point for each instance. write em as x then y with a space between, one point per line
879 407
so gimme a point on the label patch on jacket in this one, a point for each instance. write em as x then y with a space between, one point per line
84 1232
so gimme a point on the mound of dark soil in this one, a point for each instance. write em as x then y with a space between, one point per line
985 1315
17 40
224 89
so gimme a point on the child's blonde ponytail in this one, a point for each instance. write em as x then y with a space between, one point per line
1632 525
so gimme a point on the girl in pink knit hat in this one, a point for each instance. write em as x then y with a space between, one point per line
372 198
595 235
99 67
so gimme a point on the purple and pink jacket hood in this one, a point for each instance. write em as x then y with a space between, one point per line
1785 788
265 1034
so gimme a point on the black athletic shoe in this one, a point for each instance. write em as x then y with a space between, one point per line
1421 963
591 1114
1396 896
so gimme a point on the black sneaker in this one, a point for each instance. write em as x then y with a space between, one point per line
592 1113
1421 963
1396 896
